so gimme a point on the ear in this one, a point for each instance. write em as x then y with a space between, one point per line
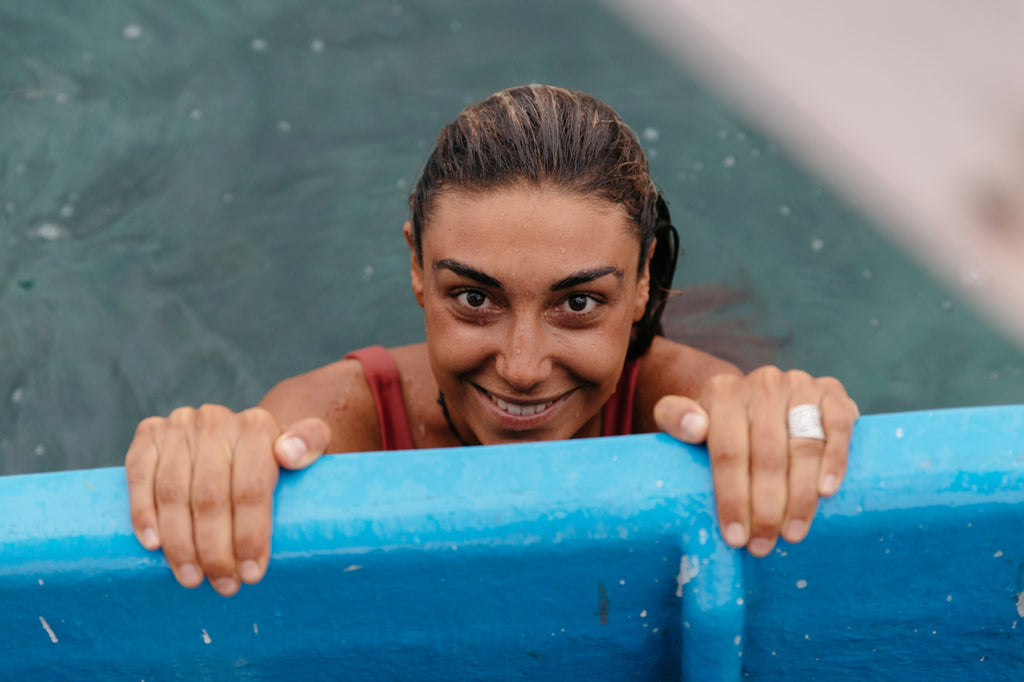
415 269
643 285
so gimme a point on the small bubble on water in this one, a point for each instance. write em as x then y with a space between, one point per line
284 126
741 136
801 584
67 210
195 113
866 274
698 165
874 323
401 183
131 32
817 244
947 306
783 210
20 168
367 272
17 396
258 45
39 450
227 197
316 45
651 134
729 161
50 232
9 207
61 98
87 57
456 26
722 134
755 152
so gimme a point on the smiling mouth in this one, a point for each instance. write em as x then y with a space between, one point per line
520 410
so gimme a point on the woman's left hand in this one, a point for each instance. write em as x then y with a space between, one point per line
767 482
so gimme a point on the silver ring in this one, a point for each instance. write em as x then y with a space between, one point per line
805 422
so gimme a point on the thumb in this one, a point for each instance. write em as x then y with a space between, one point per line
682 418
302 443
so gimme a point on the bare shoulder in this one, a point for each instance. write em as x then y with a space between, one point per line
338 394
671 368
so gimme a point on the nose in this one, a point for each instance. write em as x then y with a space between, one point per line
525 360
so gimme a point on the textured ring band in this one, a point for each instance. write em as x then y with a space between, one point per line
805 422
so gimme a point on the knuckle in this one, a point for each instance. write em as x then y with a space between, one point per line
149 427
769 375
171 490
251 491
207 499
253 418
182 417
766 519
208 415
769 459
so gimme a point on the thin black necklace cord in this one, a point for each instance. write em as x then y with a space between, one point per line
448 418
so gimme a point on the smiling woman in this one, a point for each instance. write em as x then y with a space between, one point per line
542 254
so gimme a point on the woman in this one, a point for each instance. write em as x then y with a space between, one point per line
542 254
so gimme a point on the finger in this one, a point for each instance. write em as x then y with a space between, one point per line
839 414
211 497
729 451
769 468
682 418
172 492
140 472
254 477
805 458
303 443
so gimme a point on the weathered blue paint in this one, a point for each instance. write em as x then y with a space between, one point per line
592 559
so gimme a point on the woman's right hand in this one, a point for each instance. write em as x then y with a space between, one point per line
201 485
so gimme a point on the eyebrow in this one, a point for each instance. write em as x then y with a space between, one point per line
464 270
573 280
584 276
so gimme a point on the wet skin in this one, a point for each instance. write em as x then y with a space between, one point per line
529 297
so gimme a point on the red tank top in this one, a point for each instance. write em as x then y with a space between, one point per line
386 385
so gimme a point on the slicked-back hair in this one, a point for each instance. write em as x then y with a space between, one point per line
545 136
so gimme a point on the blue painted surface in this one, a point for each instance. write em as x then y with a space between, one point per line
592 559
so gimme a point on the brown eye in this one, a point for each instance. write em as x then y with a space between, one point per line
580 303
473 299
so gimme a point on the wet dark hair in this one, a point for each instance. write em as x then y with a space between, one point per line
548 136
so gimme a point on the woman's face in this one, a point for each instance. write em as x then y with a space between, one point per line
530 295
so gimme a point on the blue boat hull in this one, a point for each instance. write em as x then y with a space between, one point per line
593 559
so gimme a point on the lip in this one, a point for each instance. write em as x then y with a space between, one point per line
528 417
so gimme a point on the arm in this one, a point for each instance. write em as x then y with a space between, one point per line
201 481
766 483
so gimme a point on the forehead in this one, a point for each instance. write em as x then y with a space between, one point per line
532 223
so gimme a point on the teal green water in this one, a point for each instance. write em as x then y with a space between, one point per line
198 199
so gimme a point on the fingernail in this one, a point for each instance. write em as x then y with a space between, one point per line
735 535
693 425
226 586
760 546
190 575
294 448
829 484
250 571
150 540
795 530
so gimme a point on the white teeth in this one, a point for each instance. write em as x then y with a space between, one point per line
519 410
